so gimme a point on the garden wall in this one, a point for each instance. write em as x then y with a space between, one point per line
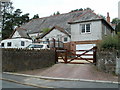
108 60
21 59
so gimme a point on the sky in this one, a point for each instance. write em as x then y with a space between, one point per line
48 7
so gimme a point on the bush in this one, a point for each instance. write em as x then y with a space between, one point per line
110 42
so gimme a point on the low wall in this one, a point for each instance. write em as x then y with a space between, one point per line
108 61
20 59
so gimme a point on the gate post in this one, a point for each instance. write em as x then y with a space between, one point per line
56 56
66 56
94 54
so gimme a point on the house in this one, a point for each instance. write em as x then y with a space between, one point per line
76 29
87 30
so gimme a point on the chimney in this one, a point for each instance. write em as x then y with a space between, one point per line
108 17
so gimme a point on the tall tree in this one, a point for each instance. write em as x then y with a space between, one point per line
13 20
35 16
117 22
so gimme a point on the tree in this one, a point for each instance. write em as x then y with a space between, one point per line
118 27
13 20
81 9
117 22
35 16
5 7
57 13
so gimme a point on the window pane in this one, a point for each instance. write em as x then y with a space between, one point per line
22 43
2 44
83 28
65 39
9 44
87 27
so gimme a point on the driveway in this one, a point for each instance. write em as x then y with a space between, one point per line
75 71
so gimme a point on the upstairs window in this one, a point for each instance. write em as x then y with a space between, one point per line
86 28
9 44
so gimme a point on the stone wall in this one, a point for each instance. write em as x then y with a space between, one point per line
107 59
21 59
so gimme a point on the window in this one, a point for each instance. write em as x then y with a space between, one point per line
65 39
9 44
22 43
2 44
85 28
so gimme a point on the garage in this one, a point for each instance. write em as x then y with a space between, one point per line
83 48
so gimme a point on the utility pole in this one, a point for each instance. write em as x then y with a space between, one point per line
119 9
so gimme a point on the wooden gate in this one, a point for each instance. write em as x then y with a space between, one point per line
70 56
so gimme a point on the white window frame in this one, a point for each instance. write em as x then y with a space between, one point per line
85 28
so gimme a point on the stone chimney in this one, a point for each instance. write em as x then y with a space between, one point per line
108 17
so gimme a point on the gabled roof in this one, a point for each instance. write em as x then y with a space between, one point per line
37 25
55 27
87 17
23 32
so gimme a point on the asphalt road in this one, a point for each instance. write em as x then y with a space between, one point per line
6 84
59 83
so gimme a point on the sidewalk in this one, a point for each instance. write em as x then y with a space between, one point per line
74 71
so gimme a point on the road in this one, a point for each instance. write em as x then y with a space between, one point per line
59 83
7 84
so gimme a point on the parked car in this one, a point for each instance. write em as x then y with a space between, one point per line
15 43
38 46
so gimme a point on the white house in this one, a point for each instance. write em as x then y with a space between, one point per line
15 43
89 29
57 33
76 29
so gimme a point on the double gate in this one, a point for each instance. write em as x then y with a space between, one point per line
77 56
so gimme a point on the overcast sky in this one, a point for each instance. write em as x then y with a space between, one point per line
48 7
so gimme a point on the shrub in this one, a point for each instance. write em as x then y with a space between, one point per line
110 42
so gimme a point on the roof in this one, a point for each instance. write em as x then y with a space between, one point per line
37 25
22 32
55 27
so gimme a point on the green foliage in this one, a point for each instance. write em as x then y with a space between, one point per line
110 42
81 9
35 16
117 27
45 30
115 21
12 20
57 13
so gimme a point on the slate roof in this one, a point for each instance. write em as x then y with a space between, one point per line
55 27
22 32
37 25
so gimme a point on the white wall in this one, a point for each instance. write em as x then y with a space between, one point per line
95 34
56 34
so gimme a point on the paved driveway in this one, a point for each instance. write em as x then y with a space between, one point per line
77 71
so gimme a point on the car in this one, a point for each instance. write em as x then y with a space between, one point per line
38 46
